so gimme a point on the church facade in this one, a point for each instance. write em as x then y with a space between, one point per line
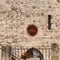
30 23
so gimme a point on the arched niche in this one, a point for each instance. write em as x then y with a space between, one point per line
35 52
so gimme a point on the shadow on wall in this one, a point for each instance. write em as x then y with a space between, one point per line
54 46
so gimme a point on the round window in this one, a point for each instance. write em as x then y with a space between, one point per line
32 30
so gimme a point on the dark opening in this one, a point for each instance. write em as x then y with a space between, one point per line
49 22
37 53
58 0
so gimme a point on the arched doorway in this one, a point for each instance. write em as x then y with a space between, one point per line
35 52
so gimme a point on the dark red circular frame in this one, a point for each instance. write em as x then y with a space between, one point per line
32 30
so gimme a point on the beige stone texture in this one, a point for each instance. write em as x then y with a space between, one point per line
16 15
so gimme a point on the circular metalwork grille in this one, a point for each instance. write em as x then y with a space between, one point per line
32 30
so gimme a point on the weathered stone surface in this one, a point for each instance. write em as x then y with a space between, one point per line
16 15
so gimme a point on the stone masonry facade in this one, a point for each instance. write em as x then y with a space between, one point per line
16 15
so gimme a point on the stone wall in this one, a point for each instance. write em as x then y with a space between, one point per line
16 15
